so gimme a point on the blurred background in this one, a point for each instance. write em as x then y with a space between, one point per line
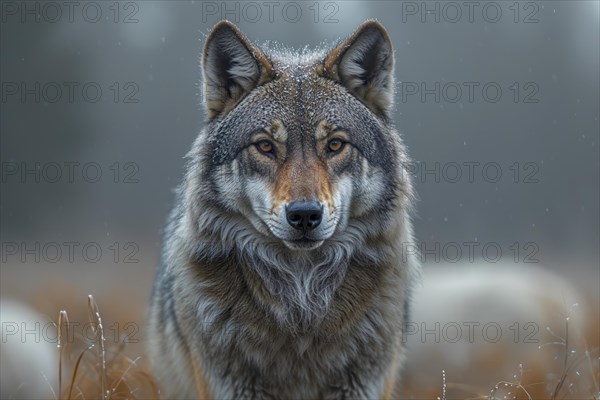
498 103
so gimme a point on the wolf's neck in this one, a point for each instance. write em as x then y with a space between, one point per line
298 288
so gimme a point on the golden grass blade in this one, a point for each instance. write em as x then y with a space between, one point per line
77 364
95 318
48 383
62 319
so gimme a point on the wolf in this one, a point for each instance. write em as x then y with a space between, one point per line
283 274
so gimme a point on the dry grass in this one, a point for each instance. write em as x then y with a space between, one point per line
97 370
577 377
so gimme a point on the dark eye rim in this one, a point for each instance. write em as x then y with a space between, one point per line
342 142
266 153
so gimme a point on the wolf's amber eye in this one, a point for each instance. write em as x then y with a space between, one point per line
265 147
335 145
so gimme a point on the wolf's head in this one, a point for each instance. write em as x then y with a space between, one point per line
302 146
298 174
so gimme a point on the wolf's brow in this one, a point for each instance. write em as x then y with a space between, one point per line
325 129
277 131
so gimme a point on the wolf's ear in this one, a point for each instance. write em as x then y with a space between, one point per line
232 67
364 64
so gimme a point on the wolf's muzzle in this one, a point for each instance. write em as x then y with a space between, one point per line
305 215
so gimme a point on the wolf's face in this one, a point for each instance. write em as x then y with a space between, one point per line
301 148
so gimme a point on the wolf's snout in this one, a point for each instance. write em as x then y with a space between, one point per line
305 215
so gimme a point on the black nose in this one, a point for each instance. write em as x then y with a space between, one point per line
305 215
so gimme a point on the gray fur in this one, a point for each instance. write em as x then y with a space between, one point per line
236 300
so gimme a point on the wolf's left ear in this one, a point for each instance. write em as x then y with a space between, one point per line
232 67
364 64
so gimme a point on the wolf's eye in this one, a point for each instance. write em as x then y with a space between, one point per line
266 147
335 145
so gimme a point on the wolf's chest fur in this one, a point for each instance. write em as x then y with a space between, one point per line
237 318
283 273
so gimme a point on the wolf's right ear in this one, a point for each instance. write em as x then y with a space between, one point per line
232 67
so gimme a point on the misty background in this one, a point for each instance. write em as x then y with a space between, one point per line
540 132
